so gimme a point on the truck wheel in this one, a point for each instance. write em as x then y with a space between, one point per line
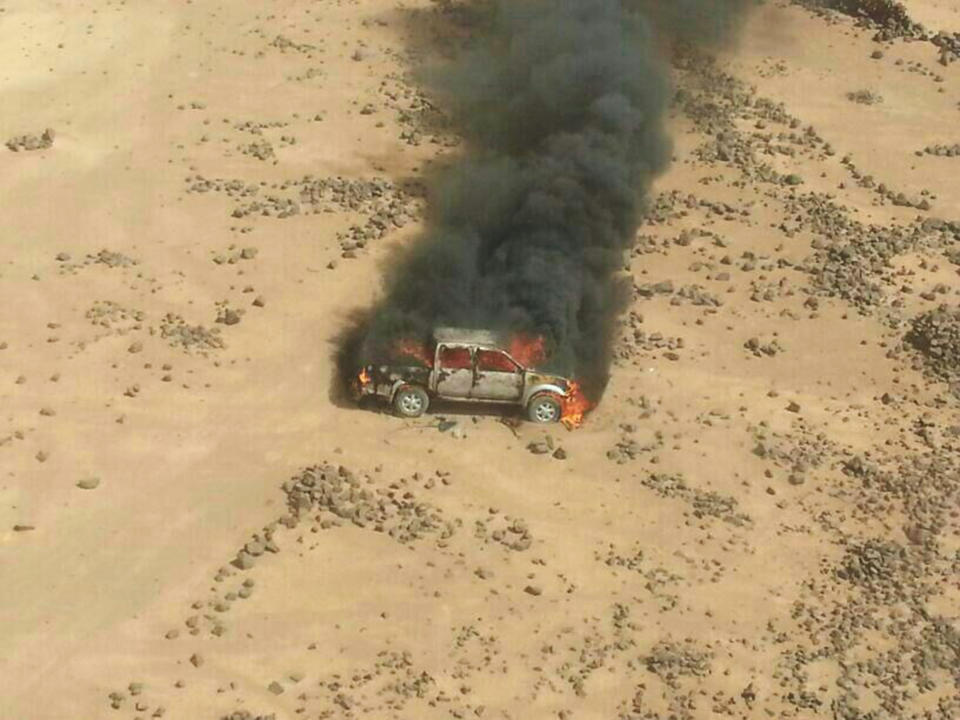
411 401
544 408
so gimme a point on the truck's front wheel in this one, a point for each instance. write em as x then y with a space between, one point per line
544 408
411 401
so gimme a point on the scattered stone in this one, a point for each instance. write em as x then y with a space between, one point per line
255 548
89 483
244 560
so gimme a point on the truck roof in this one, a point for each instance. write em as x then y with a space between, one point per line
467 336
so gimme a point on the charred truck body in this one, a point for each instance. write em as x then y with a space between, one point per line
469 366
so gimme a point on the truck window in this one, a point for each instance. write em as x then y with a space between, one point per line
492 361
455 358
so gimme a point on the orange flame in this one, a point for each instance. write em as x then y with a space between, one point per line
528 351
575 406
364 378
413 349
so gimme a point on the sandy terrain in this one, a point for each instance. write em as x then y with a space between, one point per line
759 520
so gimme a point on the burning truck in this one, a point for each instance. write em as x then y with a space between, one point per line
476 366
562 107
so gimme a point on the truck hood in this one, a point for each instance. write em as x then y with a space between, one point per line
541 378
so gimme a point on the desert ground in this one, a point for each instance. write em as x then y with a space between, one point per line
759 520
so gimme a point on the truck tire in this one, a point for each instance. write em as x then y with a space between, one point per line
544 408
411 401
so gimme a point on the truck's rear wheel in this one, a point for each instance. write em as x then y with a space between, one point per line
411 401
544 408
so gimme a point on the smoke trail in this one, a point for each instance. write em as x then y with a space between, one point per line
562 107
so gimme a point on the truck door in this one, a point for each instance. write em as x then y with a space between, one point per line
454 372
497 378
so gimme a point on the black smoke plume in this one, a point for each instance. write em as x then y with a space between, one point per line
561 104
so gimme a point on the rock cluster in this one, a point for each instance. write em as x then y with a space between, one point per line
864 97
31 142
113 316
385 205
671 660
111 259
175 330
936 336
247 715
335 493
882 569
711 504
762 348
108 258
513 533
851 260
283 44
633 445
889 17
943 150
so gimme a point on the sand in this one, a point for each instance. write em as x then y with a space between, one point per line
759 520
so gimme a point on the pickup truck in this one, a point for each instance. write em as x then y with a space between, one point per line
466 366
